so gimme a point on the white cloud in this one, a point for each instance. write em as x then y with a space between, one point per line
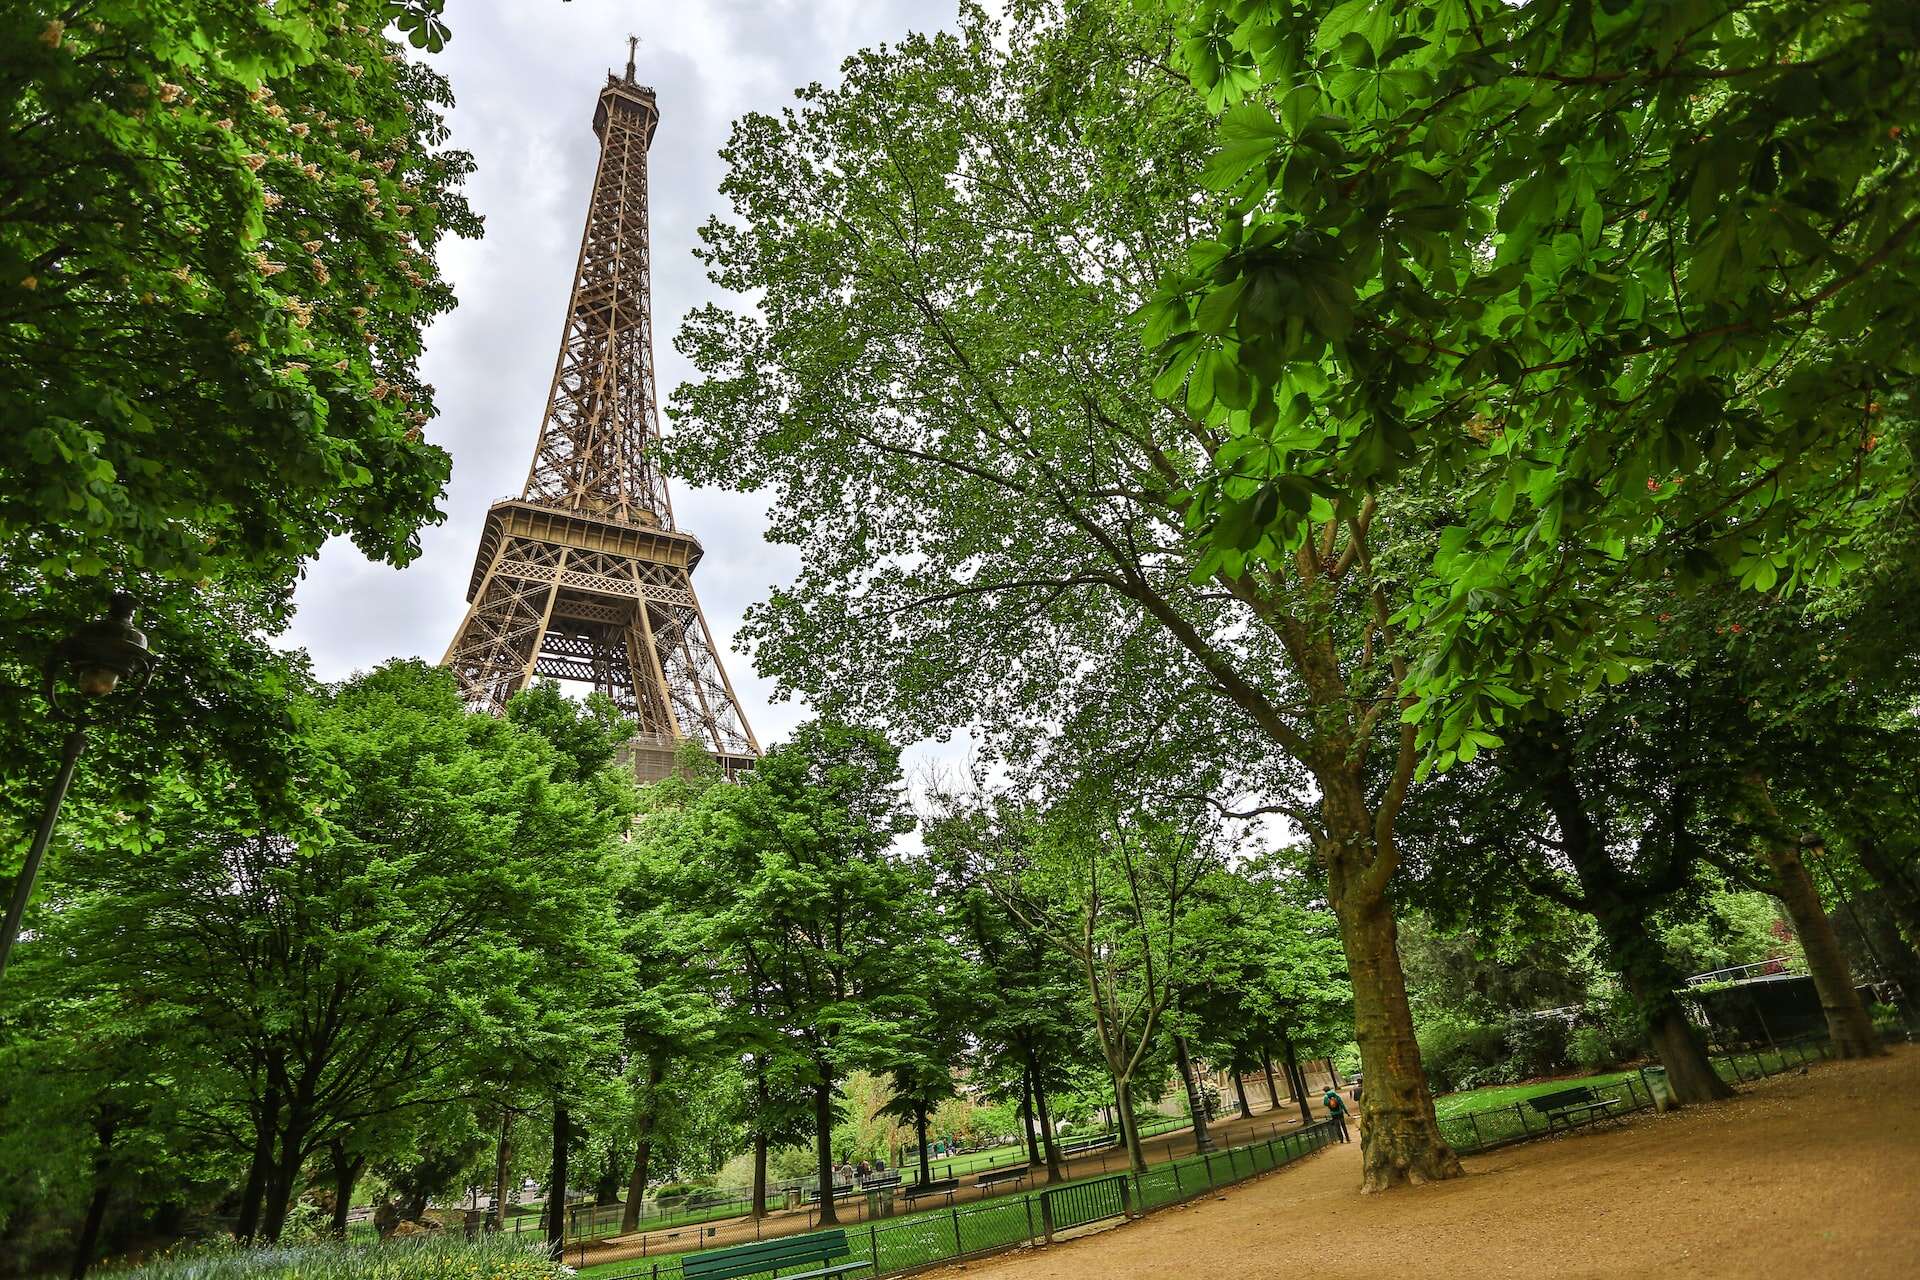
526 74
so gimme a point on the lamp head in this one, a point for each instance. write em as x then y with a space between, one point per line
101 654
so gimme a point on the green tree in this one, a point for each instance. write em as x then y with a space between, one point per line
1606 813
1269 971
217 264
801 890
583 992
441 905
677 1028
942 377
1111 891
1627 276
218 238
1028 1017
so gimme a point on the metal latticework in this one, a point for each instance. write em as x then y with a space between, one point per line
584 577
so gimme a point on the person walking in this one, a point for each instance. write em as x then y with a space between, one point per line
1337 1112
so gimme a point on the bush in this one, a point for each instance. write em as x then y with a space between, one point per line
432 1257
1461 1053
1536 1047
1592 1048
1458 1053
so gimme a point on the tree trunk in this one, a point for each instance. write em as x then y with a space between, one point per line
502 1155
346 1172
1273 1090
266 1121
1400 1138
823 1148
1621 905
557 1182
1047 1135
1129 1129
97 1204
1240 1095
920 1131
1333 1074
643 1148
285 1181
759 1176
1296 1079
1847 1020
1653 983
1026 1116
1690 1074
1202 1139
1899 888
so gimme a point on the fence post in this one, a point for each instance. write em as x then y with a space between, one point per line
873 1246
957 1250
1126 1206
1029 1203
1206 1162
1474 1121
1177 1188
1046 1214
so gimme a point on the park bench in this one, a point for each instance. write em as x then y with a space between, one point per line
1080 1146
881 1181
990 1180
1566 1104
819 1248
938 1187
841 1190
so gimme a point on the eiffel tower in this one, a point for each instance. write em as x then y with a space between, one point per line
584 577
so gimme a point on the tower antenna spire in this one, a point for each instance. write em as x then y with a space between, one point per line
633 46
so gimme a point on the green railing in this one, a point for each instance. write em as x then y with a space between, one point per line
1483 1130
944 1235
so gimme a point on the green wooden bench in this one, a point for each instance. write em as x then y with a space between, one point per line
1000 1177
818 1248
1080 1146
938 1187
1566 1104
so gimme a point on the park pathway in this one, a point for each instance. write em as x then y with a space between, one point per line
1798 1177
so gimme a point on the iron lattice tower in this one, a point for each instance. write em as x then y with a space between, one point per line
584 576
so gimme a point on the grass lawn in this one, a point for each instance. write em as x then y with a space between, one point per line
1505 1095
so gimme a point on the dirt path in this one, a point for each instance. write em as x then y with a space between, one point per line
1800 1177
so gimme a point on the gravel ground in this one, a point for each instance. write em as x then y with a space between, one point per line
1798 1177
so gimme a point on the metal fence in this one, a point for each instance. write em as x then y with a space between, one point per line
1492 1127
594 1221
1014 1154
992 1226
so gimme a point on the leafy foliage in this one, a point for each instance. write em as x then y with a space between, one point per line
1631 277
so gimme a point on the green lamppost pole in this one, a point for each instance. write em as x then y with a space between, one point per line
96 657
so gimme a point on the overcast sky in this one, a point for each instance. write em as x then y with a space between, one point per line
526 74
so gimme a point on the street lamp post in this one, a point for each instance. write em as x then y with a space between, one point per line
97 657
